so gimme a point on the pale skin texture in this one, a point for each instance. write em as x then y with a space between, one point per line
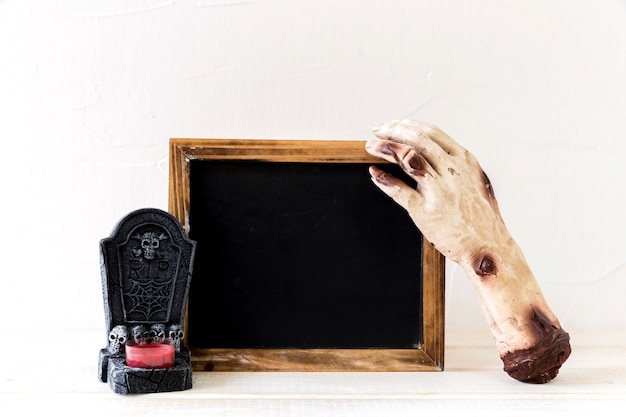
454 207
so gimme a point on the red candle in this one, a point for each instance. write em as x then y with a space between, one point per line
151 356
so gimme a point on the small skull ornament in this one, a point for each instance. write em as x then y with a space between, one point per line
139 334
150 242
176 333
157 333
117 340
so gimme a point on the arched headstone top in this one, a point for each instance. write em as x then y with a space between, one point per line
146 269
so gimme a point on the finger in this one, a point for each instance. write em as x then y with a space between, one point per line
407 157
441 138
410 133
398 190
399 131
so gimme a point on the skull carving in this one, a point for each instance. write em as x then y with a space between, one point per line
157 333
139 334
150 242
176 333
117 339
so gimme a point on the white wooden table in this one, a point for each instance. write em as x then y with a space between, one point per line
58 373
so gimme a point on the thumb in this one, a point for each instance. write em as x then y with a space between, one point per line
398 190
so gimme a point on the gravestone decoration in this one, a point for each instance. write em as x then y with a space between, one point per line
146 267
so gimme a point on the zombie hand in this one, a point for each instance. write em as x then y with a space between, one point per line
455 208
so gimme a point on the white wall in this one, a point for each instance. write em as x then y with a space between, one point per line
91 92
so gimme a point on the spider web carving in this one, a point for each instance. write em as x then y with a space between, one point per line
147 300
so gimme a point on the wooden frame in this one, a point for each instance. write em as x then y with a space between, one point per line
427 356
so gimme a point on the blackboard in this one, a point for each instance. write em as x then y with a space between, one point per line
301 262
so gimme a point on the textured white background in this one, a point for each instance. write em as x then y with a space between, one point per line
91 91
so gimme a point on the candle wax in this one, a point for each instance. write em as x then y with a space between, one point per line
152 356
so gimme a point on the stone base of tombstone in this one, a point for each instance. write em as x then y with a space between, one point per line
123 379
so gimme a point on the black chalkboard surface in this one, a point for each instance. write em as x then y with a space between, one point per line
301 260
300 254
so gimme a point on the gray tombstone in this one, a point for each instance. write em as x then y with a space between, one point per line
146 267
